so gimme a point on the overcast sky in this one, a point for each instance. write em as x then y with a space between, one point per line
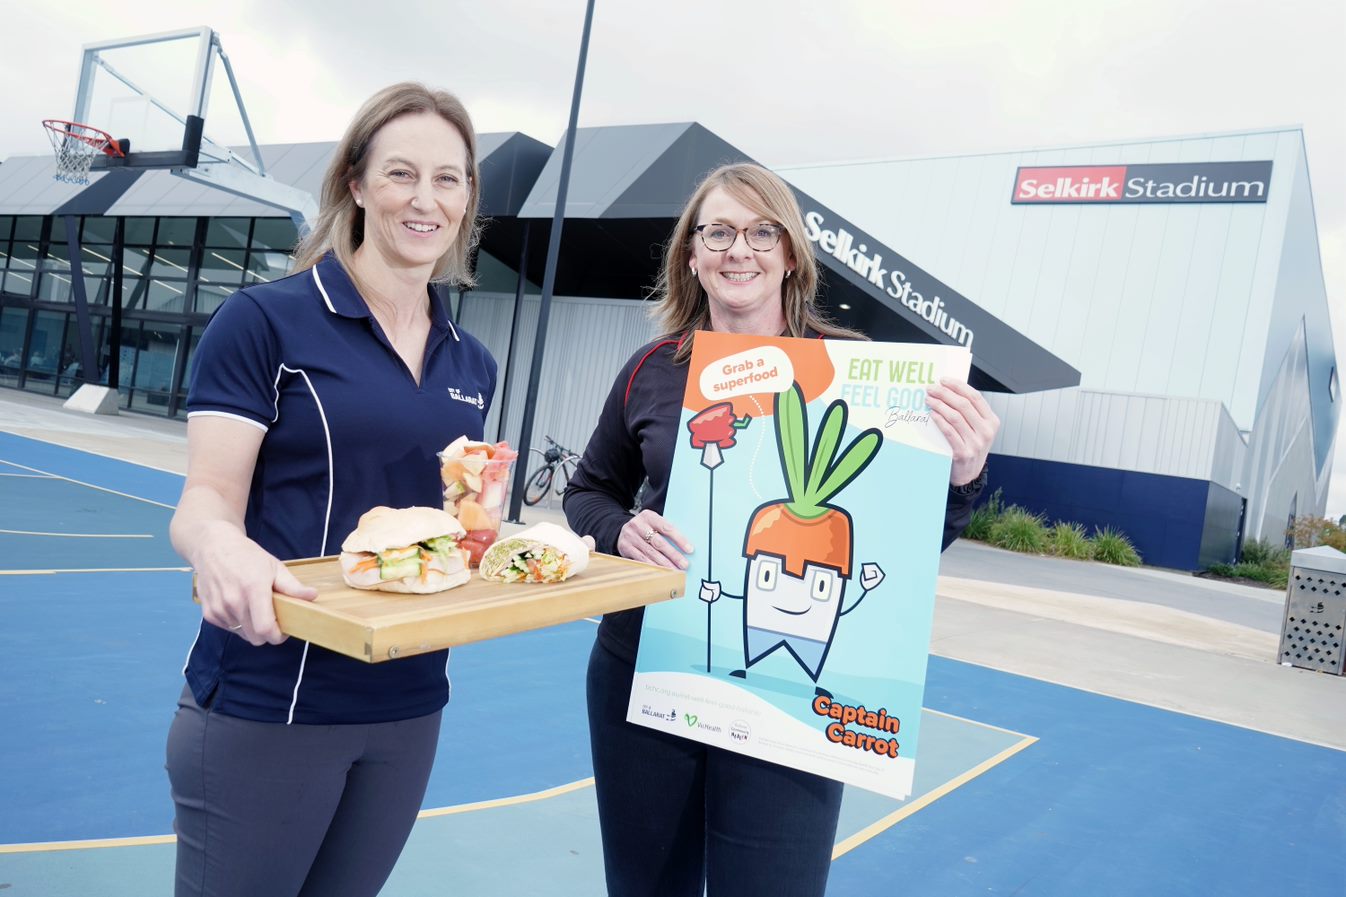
786 81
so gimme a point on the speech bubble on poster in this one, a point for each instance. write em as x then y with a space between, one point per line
764 369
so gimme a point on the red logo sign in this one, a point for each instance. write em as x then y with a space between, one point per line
1076 183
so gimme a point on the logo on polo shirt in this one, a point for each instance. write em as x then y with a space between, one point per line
476 400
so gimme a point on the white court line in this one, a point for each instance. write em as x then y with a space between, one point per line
24 532
28 476
57 476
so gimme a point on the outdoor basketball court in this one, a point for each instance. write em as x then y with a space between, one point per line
1023 787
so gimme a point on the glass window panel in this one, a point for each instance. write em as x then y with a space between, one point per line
156 355
54 286
58 229
229 233
28 227
165 295
265 267
18 283
171 262
209 296
98 229
6 226
133 292
136 262
72 365
13 321
97 289
44 349
140 231
191 356
274 233
176 231
23 256
222 265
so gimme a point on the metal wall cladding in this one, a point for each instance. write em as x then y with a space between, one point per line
588 340
1314 631
1179 437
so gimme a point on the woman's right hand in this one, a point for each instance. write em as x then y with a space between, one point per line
650 538
235 578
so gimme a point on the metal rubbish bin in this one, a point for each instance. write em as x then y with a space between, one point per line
1313 635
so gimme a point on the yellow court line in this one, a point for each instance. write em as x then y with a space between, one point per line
96 843
24 532
925 800
508 801
57 476
96 570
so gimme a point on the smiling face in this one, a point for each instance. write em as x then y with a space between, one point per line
806 606
743 285
414 192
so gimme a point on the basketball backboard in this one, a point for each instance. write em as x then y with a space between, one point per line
152 93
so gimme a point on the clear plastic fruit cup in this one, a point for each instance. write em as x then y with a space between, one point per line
476 489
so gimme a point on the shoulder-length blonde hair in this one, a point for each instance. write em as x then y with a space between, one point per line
681 305
340 224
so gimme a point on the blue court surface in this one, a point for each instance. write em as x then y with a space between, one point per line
1022 787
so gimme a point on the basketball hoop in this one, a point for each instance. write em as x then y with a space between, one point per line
75 146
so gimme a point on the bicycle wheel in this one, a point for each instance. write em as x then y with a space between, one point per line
537 485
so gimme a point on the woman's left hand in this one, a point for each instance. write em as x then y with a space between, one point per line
969 424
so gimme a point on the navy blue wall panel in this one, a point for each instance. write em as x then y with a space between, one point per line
1163 516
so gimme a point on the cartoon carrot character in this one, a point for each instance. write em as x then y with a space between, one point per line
799 550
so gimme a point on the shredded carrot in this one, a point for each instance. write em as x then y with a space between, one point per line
367 564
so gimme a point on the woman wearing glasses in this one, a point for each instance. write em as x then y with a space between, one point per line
680 818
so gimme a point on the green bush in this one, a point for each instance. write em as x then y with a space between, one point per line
1113 547
984 517
1069 540
1260 552
1271 574
1020 530
1225 570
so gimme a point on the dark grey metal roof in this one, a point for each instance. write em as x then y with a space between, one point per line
628 183
509 162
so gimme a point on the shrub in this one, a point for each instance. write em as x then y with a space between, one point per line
1309 532
1068 540
984 517
1261 552
1113 547
1020 530
1271 574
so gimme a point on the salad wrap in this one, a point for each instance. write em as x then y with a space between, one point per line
542 553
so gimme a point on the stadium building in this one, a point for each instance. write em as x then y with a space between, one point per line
1150 319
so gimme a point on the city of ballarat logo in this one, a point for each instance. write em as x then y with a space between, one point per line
670 716
458 396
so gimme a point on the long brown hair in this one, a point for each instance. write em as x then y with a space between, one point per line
681 305
340 224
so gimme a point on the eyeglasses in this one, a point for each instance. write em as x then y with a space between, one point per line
759 237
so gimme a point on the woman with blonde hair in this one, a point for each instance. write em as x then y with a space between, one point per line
296 770
680 818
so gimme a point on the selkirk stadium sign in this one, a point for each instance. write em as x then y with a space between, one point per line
1166 183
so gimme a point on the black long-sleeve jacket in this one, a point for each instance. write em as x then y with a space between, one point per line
634 440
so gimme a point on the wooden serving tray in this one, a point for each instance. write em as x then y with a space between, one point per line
377 626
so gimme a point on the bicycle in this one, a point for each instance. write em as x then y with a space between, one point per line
558 466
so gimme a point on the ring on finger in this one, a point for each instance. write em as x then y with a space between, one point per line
649 535
236 628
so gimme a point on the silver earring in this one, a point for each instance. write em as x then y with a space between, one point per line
787 274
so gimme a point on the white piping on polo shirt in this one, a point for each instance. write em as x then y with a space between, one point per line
328 302
247 420
331 489
322 289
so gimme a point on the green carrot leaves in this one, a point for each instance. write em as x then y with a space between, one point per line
813 480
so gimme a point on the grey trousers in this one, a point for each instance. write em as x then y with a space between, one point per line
270 810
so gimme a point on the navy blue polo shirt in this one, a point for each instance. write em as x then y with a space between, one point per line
347 428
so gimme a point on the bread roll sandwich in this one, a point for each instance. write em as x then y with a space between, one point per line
412 550
542 553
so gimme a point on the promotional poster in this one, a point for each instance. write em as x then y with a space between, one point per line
812 482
